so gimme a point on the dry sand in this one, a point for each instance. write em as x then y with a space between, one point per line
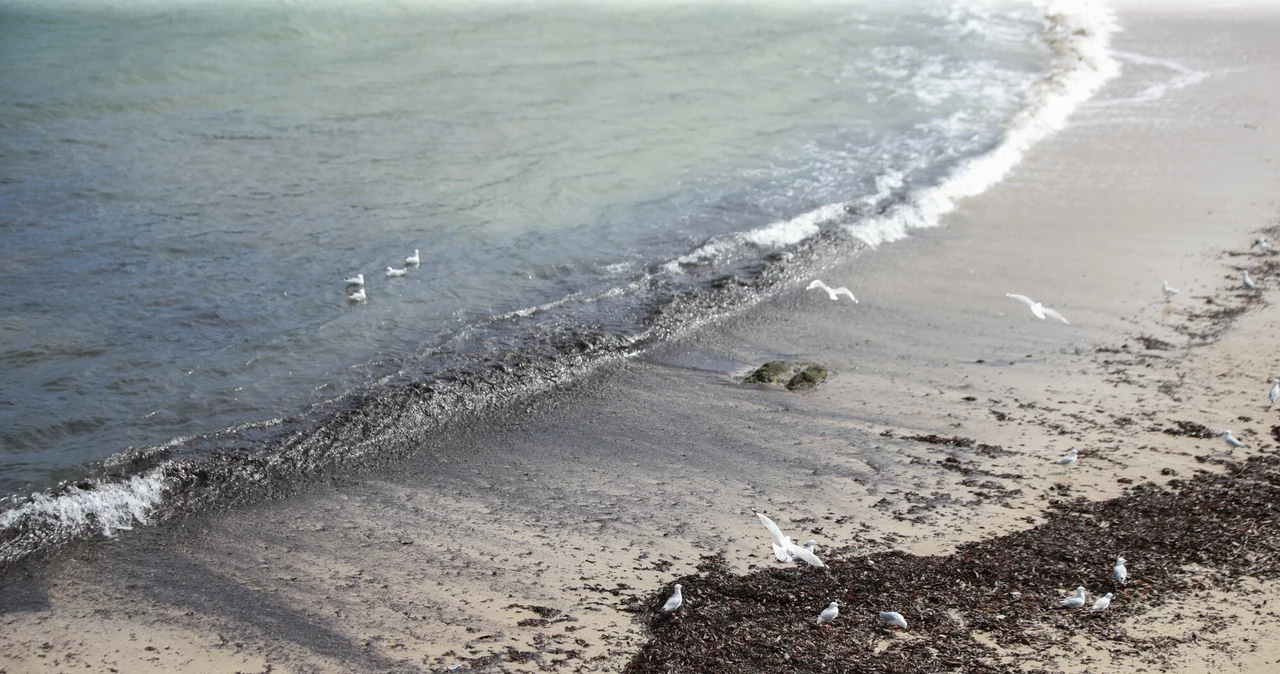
517 546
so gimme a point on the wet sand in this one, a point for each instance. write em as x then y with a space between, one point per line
530 542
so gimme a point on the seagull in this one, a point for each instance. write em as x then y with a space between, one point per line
391 271
783 549
357 280
413 259
1118 572
1074 601
1038 309
1232 441
674 602
829 614
1103 602
1248 282
893 619
1168 291
357 296
1262 244
1069 459
1275 391
833 293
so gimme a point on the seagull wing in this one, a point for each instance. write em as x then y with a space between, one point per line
816 284
1053 314
1022 298
778 538
843 291
803 554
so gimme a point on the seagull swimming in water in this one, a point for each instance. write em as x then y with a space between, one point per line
1074 601
1232 441
1248 282
1275 391
784 550
413 260
357 280
1102 604
1118 571
893 619
357 296
1037 308
1069 459
1168 291
833 293
674 602
828 614
391 271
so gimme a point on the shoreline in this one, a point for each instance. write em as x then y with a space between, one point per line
516 547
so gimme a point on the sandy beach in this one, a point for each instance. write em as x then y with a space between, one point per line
539 540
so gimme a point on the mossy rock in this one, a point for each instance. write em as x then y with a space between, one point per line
793 375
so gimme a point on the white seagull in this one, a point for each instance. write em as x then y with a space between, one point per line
783 549
1037 308
357 296
1275 391
1074 601
833 293
1103 602
1248 282
1262 244
1168 291
413 259
357 280
893 619
829 614
1069 459
674 602
1118 572
391 271
1232 441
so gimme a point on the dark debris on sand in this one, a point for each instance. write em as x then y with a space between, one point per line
1006 588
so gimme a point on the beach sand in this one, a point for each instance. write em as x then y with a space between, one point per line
530 542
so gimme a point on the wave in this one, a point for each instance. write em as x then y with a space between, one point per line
485 367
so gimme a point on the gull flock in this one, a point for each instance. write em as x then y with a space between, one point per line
357 281
785 550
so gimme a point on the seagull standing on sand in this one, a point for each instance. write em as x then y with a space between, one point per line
1038 309
1232 441
893 619
357 296
829 614
1069 459
1168 291
674 602
1074 601
1248 282
833 293
391 271
413 260
1262 244
357 280
783 549
1275 391
1120 573
1102 604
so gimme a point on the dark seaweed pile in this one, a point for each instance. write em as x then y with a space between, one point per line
1006 588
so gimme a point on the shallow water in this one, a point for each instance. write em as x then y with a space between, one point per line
185 187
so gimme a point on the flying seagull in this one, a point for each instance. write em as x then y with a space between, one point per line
1168 291
1037 308
1074 601
357 280
674 602
893 619
783 549
829 614
833 293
